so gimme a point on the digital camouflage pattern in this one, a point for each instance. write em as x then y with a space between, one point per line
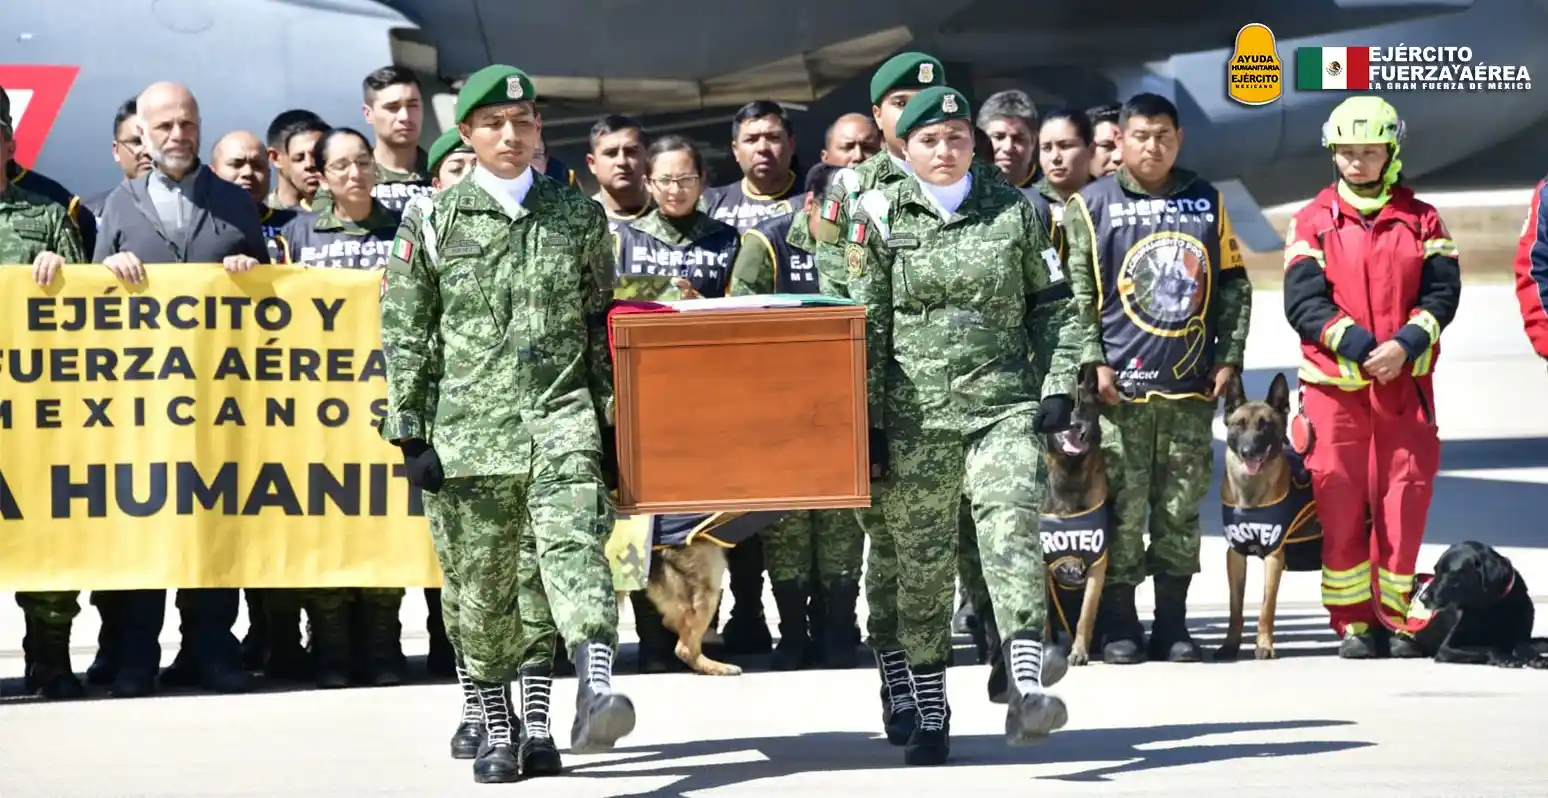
880 575
957 309
970 561
969 323
31 224
515 299
830 538
1161 449
1001 469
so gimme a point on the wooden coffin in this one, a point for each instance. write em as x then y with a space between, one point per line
741 410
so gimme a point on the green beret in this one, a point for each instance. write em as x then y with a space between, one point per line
496 84
935 104
448 143
906 71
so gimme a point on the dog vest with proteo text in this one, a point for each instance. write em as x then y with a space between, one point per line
1072 546
1157 262
1285 524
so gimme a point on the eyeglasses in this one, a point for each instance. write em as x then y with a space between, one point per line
342 167
685 182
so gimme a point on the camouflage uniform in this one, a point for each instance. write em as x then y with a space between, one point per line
30 225
968 317
811 556
516 296
1159 444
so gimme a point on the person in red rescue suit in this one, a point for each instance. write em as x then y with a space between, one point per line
1371 280
1532 273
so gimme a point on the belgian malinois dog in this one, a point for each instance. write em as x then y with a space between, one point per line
1076 523
1267 508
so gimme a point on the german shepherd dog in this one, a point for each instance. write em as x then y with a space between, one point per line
1076 523
1266 506
685 580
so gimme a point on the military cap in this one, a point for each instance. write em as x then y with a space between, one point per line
906 71
495 84
935 104
448 143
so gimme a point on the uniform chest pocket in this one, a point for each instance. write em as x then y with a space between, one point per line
954 267
466 306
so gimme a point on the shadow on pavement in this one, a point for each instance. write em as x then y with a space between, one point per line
849 751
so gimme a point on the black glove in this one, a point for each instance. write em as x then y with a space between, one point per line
423 465
879 461
1054 413
609 461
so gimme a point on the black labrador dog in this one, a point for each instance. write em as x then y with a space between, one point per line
1481 611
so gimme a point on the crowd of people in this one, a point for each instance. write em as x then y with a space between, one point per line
1000 255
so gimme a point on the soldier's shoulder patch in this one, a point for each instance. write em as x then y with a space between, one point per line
854 258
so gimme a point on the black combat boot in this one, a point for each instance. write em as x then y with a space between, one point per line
930 744
184 670
1169 638
655 653
139 646
538 754
49 672
255 644
104 668
900 713
563 667
469 736
601 715
817 620
441 661
1032 714
838 649
383 649
1402 645
288 660
747 630
1123 636
27 655
1357 642
330 644
966 618
496 762
794 651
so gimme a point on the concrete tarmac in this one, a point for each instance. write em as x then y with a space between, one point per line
1302 725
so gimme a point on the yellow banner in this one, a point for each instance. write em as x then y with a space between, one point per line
200 430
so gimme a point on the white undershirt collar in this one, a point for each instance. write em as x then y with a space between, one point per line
948 198
509 193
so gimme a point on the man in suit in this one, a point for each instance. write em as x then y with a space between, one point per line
180 212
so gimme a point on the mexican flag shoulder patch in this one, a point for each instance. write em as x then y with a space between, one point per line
402 249
856 233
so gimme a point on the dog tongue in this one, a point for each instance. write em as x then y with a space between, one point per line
1069 441
1252 466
